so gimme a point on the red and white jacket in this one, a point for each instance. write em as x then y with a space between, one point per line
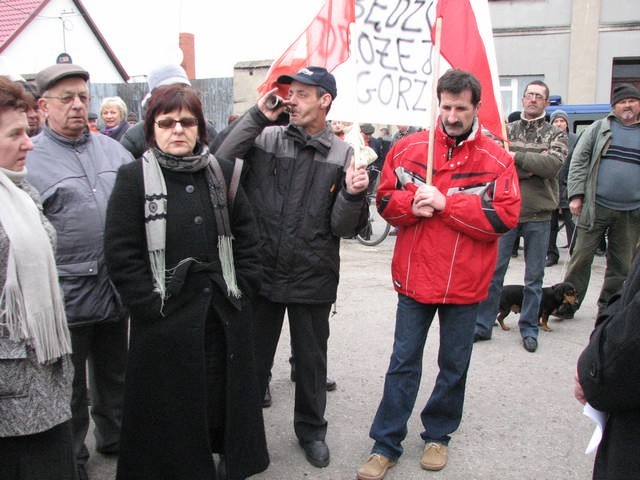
450 257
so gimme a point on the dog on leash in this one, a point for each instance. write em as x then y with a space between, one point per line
552 298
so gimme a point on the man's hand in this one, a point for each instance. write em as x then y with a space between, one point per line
357 178
275 113
427 200
575 206
578 392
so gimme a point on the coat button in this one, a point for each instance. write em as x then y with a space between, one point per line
190 189
198 220
206 291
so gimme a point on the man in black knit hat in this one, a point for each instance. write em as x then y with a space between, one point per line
603 192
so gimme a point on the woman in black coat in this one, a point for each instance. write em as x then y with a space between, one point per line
608 377
185 264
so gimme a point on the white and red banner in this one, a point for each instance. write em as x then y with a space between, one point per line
385 69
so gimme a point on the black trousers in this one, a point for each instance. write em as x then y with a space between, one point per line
102 347
565 215
46 455
309 328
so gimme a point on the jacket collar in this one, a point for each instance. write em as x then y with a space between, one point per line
527 123
67 142
452 142
320 142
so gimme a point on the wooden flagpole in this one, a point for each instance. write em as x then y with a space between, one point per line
435 74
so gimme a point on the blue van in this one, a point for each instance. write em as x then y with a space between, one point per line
581 115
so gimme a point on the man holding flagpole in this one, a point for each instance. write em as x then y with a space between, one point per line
447 238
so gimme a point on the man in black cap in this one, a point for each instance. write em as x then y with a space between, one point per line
74 170
603 192
307 193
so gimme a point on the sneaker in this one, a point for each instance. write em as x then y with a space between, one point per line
375 468
434 457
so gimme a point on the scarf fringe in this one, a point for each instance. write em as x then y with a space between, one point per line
157 261
225 252
46 331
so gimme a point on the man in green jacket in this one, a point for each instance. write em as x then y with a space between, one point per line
539 150
603 192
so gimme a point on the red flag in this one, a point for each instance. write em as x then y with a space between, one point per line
325 43
463 47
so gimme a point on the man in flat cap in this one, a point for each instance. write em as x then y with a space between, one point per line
74 170
603 192
307 193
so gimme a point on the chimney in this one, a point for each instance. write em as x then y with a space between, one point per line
188 54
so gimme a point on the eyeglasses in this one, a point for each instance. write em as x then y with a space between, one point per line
533 96
187 122
67 99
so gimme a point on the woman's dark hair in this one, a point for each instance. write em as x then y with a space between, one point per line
168 98
13 96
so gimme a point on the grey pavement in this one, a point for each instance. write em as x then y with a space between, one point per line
520 420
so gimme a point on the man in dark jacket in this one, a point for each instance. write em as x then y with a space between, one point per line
307 193
74 171
608 376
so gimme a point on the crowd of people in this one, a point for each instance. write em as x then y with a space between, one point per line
147 267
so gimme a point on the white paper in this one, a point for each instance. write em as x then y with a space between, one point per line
600 419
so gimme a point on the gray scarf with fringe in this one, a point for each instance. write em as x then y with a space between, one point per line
155 213
31 301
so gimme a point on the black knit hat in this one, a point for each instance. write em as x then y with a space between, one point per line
624 91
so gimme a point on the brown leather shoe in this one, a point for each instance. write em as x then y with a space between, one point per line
375 468
434 457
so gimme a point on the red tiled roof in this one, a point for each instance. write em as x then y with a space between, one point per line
15 15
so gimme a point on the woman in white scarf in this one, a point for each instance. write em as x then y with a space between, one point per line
35 368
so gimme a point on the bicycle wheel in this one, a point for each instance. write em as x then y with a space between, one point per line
377 229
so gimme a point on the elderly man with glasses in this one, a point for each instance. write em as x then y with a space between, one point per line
539 150
74 171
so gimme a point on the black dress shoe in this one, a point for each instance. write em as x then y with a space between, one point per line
480 338
82 471
530 344
316 452
564 312
266 401
331 385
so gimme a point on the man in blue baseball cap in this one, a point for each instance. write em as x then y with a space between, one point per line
307 193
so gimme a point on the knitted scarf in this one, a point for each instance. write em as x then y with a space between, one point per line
155 212
31 302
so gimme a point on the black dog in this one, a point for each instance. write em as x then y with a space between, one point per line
552 298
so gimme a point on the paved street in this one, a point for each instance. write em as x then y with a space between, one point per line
520 422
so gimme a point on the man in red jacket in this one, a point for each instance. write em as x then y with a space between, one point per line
444 255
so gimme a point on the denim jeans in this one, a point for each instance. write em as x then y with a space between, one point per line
536 241
442 414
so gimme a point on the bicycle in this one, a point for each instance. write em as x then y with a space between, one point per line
377 228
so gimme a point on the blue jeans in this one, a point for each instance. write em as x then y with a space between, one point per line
536 241
443 412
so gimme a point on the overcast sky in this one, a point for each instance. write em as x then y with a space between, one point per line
144 33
